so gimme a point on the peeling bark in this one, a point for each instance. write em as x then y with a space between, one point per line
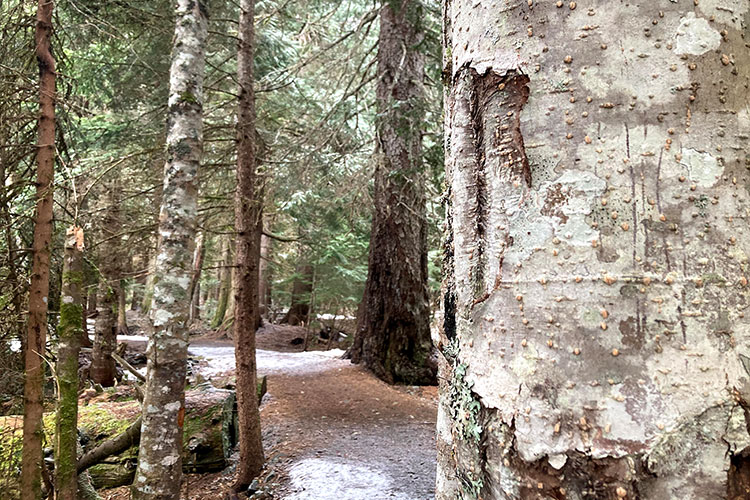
159 472
594 300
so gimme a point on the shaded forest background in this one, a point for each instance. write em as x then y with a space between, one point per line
315 82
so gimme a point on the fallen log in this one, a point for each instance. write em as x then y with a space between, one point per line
209 434
114 446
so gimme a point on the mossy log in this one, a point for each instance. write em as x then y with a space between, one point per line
210 433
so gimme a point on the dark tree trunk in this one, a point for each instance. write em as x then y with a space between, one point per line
264 287
33 395
195 279
109 300
122 319
105 340
225 286
302 288
393 336
249 226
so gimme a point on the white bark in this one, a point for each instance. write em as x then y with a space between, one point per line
595 312
159 471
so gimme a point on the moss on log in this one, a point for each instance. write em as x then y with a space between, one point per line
210 433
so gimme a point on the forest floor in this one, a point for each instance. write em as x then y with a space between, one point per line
331 430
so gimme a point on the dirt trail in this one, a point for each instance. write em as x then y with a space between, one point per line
352 436
331 430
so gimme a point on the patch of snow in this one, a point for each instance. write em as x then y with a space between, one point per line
133 338
330 317
220 359
322 479
15 345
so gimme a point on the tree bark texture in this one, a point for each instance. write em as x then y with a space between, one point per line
107 324
594 305
195 295
394 324
264 286
122 307
302 288
33 396
225 286
159 470
69 337
248 220
105 339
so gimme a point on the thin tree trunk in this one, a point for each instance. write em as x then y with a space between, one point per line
311 314
110 292
33 394
148 291
264 287
394 329
299 309
122 319
595 332
225 286
195 279
69 334
159 473
249 225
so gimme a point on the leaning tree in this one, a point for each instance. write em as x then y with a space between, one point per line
594 331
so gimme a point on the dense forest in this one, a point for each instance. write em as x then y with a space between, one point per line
364 250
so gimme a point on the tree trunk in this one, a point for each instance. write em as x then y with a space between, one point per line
159 472
148 291
195 296
264 287
248 220
69 334
594 288
394 329
225 285
299 309
122 307
102 369
33 395
109 311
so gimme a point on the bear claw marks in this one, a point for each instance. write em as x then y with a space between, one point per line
491 163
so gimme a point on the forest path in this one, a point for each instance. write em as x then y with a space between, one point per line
331 429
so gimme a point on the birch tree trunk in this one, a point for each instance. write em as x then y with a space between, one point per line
69 333
33 393
159 470
594 303
393 332
248 221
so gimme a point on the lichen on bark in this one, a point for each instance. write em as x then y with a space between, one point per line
159 470
600 308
